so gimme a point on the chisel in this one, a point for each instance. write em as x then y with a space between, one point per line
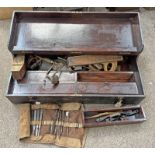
40 119
34 119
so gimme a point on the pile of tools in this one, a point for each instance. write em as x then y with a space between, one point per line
57 125
73 64
114 116
60 124
94 62
60 64
76 63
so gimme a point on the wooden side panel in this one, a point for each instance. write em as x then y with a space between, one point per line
63 88
92 59
105 77
32 77
107 88
36 83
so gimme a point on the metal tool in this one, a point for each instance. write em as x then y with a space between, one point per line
37 119
118 116
49 70
45 59
35 65
34 119
130 113
52 129
64 61
57 123
33 62
47 74
54 78
67 116
40 119
62 122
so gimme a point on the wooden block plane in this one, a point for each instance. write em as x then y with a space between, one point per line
108 62
18 67
92 59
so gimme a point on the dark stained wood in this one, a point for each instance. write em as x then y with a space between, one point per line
34 77
34 83
62 98
105 77
75 33
71 33
82 88
92 59
62 88
107 88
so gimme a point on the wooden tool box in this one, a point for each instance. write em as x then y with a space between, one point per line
52 34
69 34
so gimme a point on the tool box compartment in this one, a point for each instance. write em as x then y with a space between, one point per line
101 117
86 87
68 35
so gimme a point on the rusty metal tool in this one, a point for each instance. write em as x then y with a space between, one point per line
47 74
54 78
33 62
45 59
36 64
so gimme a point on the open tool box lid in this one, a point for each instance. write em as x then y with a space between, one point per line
75 33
